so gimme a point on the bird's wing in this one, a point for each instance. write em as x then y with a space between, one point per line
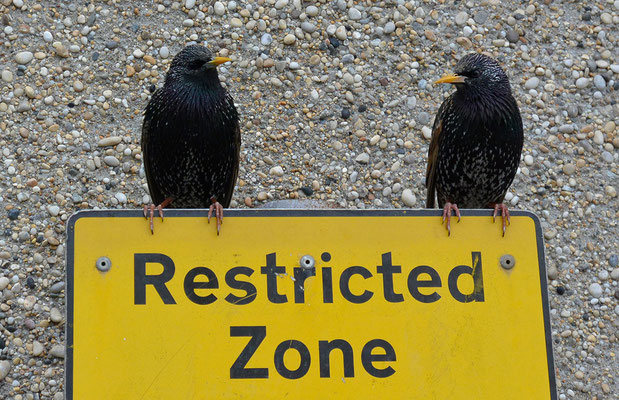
237 156
147 131
433 158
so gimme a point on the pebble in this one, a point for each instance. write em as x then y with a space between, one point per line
219 8
599 82
122 199
512 36
53 210
55 315
461 18
582 83
408 198
363 158
111 161
110 141
596 290
290 39
277 171
7 76
23 57
5 368
531 83
57 351
354 14
37 348
266 39
4 282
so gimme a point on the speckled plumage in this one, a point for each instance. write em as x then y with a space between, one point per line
476 139
190 136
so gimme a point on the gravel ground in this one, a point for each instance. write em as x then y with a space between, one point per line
336 101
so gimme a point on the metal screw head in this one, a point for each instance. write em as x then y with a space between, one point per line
103 264
507 261
307 262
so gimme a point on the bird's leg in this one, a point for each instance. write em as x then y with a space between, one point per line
219 213
504 214
449 207
149 212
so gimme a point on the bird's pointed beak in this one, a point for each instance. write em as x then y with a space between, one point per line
451 79
218 60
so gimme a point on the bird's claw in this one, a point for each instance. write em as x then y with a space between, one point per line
149 213
449 207
219 213
504 215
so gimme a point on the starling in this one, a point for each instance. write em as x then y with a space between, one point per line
191 138
476 141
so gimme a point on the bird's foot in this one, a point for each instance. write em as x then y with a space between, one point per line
219 213
149 212
504 214
449 207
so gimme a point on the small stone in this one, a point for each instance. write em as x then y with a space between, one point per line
5 367
512 36
552 273
189 4
23 57
426 132
596 290
219 8
111 161
461 18
277 171
613 260
7 76
164 52
569 169
57 287
236 23
121 197
55 315
599 82
582 83
363 158
4 282
57 351
290 39
354 14
37 349
53 210
408 198
312 11
531 83
109 141
389 28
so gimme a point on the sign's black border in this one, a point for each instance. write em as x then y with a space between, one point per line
257 212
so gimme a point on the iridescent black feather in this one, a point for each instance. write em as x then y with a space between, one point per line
476 139
190 136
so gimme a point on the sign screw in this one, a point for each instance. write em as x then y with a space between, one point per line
507 261
103 264
307 262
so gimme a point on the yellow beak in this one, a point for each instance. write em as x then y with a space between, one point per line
219 60
451 79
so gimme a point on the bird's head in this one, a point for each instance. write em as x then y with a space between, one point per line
478 74
196 63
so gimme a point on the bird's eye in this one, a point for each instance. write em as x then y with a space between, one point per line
470 74
196 64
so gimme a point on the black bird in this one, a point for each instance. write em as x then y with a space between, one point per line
191 138
476 141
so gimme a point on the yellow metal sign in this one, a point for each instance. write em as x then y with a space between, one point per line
303 304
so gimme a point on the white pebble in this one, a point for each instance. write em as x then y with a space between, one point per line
277 171
5 366
122 199
18 3
408 198
596 290
189 4
290 39
4 282
164 52
461 18
427 132
23 57
531 83
53 210
354 14
219 8
47 36
528 159
582 83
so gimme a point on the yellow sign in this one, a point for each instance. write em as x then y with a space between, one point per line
298 304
